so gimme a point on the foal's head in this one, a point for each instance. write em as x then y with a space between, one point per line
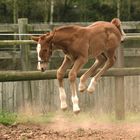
44 50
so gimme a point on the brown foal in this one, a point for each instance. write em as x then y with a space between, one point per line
98 40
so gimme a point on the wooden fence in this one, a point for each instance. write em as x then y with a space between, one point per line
120 93
40 95
27 91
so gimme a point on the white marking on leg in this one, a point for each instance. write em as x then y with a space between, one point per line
91 87
39 59
62 98
75 103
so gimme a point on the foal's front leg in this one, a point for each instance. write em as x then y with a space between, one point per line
72 77
60 74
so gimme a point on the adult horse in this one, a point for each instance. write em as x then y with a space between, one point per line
98 40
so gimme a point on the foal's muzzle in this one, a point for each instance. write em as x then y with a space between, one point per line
42 65
42 69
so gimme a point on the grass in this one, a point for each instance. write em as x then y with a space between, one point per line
35 119
101 117
11 118
131 117
90 116
7 118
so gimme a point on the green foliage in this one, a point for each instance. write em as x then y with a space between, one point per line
101 11
7 118
35 119
68 10
5 10
82 10
14 118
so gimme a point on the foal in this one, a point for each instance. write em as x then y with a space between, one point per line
98 40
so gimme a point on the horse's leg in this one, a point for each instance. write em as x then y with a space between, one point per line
60 74
72 77
109 63
92 71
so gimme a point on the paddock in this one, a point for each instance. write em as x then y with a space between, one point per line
32 97
114 92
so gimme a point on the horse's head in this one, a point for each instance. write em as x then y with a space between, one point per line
118 24
44 50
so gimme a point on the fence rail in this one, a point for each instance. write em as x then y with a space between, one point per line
51 74
16 42
23 42
44 94
41 27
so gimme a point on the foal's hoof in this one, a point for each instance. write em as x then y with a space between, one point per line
82 87
90 90
76 112
64 106
91 87
76 109
82 90
64 109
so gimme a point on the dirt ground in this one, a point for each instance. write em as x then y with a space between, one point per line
64 129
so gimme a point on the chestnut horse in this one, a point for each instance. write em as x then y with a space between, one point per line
98 40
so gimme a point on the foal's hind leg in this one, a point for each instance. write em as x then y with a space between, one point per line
60 74
93 70
109 63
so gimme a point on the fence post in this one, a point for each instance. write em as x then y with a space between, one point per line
119 87
25 49
25 65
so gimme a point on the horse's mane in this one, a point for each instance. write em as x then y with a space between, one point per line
69 28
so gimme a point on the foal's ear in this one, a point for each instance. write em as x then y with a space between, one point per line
35 38
116 22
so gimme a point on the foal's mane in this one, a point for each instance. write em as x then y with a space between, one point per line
69 28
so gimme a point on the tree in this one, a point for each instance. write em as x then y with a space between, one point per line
125 8
68 10
15 11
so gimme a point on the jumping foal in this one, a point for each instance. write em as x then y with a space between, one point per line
98 40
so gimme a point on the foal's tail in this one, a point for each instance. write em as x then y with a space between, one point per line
117 23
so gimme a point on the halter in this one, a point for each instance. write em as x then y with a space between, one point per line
42 61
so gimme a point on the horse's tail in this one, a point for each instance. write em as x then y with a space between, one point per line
117 23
